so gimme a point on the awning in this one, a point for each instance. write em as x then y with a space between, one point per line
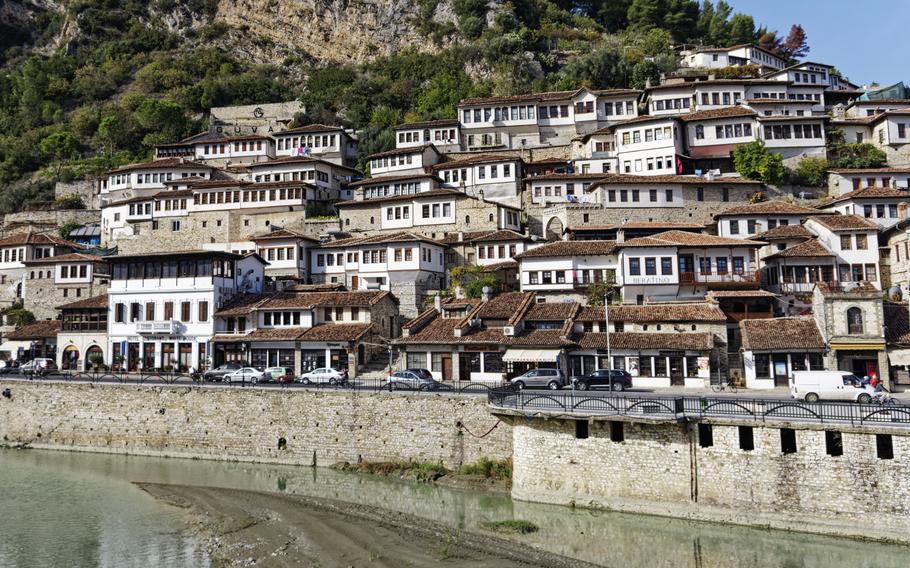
858 346
530 355
899 356
13 346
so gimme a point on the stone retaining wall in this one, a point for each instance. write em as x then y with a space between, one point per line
321 428
662 469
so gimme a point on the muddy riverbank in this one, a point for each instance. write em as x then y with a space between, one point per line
269 529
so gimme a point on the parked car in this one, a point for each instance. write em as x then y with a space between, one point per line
813 386
553 379
39 366
324 375
277 375
216 374
411 379
613 379
242 375
425 373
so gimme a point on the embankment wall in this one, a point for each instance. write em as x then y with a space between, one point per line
663 469
320 427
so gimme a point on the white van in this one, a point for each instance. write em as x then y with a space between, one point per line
813 386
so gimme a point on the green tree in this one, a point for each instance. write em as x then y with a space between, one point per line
642 72
812 171
742 29
60 146
597 291
755 161
859 156
164 121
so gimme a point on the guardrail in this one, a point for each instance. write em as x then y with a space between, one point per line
181 379
699 408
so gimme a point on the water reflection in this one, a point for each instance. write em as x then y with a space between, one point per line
609 539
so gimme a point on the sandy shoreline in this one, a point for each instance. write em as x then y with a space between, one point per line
252 528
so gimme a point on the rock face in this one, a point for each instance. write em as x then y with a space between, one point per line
333 31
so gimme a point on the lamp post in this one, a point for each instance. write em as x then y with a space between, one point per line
607 326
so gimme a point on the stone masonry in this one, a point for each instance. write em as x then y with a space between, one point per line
321 428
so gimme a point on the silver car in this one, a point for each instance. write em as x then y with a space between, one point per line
553 379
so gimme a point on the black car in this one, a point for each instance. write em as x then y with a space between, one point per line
613 379
217 374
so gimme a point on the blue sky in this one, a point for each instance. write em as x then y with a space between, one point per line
867 40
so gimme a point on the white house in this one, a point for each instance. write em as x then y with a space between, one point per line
555 188
443 134
565 269
885 206
161 305
329 143
747 221
493 177
733 56
286 252
649 145
842 181
408 160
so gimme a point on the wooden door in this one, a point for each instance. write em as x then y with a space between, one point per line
355 282
447 367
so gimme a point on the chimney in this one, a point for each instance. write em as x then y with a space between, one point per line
437 303
460 236
487 293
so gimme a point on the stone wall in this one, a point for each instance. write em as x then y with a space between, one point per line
41 294
47 221
470 215
662 469
88 190
321 428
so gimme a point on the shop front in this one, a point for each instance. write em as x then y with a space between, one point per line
177 354
520 360
482 364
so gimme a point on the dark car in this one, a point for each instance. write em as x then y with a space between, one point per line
217 374
613 379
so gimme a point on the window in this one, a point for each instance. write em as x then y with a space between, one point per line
635 266
834 444
746 438
734 227
184 311
884 446
203 311
650 266
846 242
616 432
666 266
854 321
705 435
861 242
788 441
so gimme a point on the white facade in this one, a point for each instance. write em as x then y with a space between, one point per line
404 161
648 147
444 134
377 266
161 306
493 179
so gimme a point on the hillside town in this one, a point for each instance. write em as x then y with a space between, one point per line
572 230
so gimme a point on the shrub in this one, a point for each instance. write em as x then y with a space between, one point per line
19 317
812 171
859 156
71 201
754 161
513 526
490 469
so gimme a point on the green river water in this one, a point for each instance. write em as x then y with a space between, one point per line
60 509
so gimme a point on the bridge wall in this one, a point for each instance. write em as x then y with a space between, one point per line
663 469
320 427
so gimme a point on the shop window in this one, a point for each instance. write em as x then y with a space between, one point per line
854 321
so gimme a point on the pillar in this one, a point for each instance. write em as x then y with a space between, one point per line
884 372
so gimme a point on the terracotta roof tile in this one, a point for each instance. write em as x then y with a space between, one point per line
636 341
504 306
270 334
477 159
168 163
870 193
656 313
405 150
785 232
428 124
45 329
309 300
723 112
552 311
542 337
807 249
241 305
780 334
95 302
894 170
400 237
71 257
336 332
30 238
687 239
281 234
570 248
741 294
484 237
770 208
310 128
391 179
845 222
441 192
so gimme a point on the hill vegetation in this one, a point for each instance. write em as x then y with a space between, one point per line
99 82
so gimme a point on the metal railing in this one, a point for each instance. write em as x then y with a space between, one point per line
155 378
684 408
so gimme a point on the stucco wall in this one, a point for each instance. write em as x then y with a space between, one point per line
321 428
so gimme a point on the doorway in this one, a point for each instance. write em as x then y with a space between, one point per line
447 367
677 376
779 370
355 282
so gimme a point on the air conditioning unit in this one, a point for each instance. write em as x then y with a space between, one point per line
509 331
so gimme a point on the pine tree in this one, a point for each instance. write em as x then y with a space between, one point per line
796 46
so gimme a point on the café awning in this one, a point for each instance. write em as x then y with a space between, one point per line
530 355
899 356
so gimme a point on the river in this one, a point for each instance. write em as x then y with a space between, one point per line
81 510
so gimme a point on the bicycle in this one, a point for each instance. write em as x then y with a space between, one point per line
724 386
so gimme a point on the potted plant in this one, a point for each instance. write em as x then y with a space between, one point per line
96 360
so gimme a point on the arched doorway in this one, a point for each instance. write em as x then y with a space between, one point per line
70 359
93 356
554 229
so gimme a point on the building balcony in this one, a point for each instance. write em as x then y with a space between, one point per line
721 280
165 327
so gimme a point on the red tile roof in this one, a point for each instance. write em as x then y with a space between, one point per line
780 334
71 257
552 311
714 114
45 329
571 248
810 248
770 208
31 238
167 163
636 341
655 313
687 239
391 179
281 234
428 124
399 237
95 302
870 193
845 222
484 237
310 128
476 159
621 179
785 232
897 330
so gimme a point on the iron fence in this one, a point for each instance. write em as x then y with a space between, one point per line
699 408
183 379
